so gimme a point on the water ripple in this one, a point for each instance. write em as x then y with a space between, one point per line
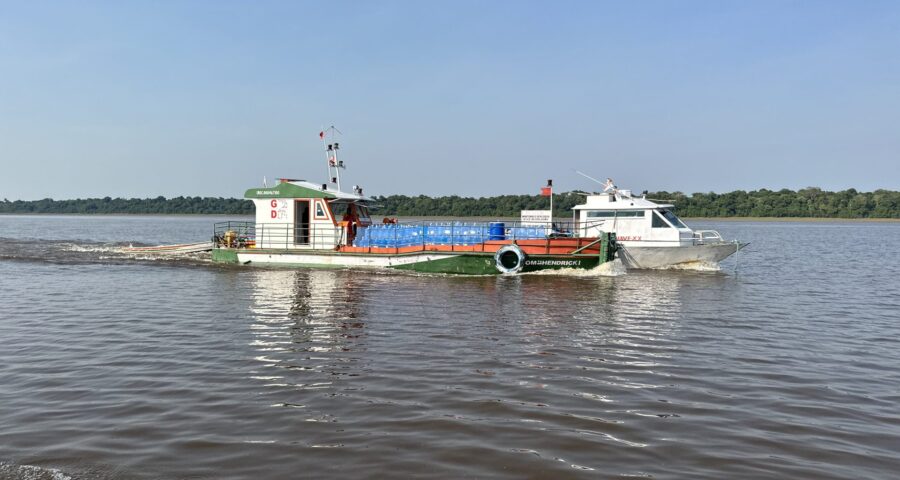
129 368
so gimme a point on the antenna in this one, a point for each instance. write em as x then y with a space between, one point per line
322 136
590 177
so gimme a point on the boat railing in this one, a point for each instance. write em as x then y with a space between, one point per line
707 236
450 234
458 233
276 235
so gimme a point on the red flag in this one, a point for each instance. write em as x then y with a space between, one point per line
322 135
546 191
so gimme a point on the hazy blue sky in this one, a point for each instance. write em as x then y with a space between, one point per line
474 98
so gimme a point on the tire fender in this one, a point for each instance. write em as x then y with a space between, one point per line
505 253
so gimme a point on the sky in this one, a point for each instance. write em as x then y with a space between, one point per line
473 98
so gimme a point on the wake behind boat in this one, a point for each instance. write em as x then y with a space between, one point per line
179 249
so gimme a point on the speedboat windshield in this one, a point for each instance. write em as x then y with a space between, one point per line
672 218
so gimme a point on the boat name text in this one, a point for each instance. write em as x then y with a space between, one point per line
557 263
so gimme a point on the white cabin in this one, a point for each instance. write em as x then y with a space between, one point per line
634 220
296 214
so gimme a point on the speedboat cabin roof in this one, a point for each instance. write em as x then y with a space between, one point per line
619 200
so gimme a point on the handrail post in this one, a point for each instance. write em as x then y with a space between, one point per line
547 240
604 248
452 231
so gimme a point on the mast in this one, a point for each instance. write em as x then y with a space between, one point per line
337 165
325 149
331 156
550 184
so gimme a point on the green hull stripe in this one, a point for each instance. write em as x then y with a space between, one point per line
464 264
224 255
485 265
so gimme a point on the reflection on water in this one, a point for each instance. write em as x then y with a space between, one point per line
301 316
578 356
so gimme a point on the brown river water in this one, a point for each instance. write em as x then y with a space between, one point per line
114 366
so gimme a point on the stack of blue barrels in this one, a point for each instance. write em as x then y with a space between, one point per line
528 233
441 233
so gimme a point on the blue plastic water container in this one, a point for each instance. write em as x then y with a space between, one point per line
497 231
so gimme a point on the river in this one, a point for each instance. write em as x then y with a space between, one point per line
785 364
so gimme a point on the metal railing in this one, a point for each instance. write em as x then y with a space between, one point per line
707 236
276 235
458 233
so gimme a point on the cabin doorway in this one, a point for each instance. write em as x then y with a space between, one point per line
301 222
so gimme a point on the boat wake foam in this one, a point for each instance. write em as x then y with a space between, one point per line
614 268
90 248
698 266
30 472
86 252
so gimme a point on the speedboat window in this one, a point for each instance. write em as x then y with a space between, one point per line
658 222
672 218
601 214
630 213
614 213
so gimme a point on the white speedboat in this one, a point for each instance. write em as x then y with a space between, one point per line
649 234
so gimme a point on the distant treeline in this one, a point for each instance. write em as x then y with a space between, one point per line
158 205
807 202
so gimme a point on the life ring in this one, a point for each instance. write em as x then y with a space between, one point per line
509 259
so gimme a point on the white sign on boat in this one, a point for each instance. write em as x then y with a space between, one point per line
535 218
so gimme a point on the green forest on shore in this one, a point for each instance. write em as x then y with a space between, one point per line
808 202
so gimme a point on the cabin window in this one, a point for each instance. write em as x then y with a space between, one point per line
630 213
615 213
338 209
363 213
601 214
672 218
320 210
658 222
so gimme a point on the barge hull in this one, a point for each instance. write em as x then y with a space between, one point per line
466 263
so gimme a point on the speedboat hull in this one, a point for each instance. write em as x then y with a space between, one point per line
638 257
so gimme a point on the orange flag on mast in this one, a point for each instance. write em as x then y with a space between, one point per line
548 190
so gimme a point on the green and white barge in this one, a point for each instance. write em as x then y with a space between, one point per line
299 223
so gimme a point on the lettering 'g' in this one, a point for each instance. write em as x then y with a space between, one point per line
274 204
